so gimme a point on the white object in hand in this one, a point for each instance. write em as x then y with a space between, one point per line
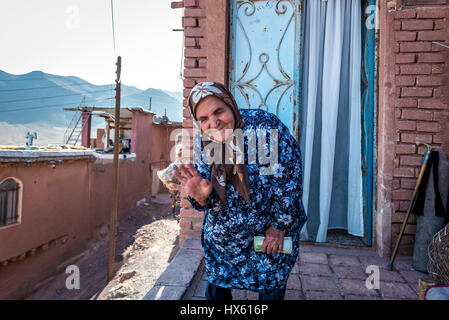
258 241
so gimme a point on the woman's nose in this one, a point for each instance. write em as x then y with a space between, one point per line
214 122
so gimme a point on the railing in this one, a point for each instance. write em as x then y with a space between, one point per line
71 129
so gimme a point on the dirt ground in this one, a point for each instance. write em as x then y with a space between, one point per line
147 240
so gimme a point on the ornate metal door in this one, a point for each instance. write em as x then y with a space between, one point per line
264 65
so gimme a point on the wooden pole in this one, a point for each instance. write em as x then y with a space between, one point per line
114 208
108 136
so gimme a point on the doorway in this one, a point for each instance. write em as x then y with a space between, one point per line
284 59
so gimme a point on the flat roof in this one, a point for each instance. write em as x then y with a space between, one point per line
30 156
125 112
9 155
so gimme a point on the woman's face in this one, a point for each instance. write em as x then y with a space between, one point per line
215 117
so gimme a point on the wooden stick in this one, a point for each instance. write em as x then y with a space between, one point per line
114 208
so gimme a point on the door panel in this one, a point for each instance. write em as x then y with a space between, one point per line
264 53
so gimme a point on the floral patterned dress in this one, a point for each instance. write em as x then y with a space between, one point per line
228 232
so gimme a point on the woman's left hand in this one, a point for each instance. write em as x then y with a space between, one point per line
274 241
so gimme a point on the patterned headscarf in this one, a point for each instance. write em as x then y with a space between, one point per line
222 174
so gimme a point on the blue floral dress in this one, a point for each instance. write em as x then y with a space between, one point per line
228 232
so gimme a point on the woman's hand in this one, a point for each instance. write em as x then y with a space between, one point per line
192 183
274 241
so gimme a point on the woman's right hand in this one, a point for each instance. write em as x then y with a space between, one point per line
192 183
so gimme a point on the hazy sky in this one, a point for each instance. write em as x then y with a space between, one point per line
74 37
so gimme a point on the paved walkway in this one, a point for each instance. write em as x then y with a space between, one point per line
323 272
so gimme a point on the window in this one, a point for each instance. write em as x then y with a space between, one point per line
9 200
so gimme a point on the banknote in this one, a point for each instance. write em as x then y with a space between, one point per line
258 240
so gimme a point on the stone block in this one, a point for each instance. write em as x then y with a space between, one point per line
352 297
293 295
403 262
376 261
296 267
314 269
397 291
182 269
251 295
165 293
412 276
200 289
350 272
192 243
294 282
239 294
390 276
337 260
357 288
313 257
319 283
319 295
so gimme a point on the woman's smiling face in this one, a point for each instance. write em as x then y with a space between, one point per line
216 118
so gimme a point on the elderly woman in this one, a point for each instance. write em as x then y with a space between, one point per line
241 200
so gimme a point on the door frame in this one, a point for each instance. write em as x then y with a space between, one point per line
369 66
369 114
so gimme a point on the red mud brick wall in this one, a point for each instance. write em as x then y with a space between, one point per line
195 55
420 104
205 57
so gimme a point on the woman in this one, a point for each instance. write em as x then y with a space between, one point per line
241 200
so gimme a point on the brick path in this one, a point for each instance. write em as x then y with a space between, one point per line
330 273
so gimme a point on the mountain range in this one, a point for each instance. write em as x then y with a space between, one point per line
41 97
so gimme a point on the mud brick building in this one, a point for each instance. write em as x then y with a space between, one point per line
59 202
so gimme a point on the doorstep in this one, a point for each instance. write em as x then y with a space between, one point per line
177 278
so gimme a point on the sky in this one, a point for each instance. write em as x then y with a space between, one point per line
74 37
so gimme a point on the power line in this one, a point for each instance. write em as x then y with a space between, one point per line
47 87
40 78
52 106
52 97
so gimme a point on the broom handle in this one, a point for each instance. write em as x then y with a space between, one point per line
412 202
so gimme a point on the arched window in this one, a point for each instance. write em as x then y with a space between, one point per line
9 202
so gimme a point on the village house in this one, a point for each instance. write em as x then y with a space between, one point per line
368 77
358 85
54 201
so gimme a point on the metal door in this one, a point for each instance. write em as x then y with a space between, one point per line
264 63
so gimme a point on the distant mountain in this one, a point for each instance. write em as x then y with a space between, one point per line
175 94
41 97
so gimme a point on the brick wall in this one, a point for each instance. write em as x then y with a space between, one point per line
205 57
420 107
195 56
